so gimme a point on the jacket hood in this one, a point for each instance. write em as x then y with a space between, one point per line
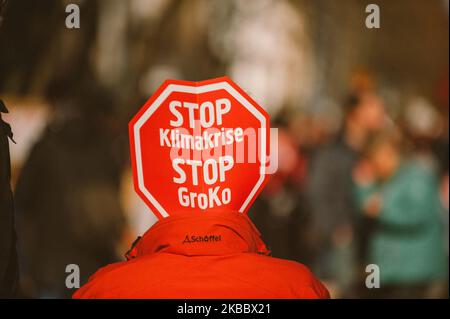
213 233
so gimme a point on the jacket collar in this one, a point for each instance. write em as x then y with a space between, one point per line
202 234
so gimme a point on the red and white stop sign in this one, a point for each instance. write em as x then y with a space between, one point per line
199 147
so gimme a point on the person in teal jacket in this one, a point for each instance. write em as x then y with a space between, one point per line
407 242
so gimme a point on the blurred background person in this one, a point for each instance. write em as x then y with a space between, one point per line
279 211
401 195
426 127
330 189
67 193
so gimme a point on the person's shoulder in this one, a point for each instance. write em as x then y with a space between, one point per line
119 280
287 267
419 170
102 280
297 276
329 148
334 151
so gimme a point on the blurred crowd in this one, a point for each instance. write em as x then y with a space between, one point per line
363 151
375 193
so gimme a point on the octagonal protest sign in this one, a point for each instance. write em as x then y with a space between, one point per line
198 147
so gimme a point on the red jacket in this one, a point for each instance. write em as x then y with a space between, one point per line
209 255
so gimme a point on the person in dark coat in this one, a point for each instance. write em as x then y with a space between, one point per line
330 190
8 255
9 269
67 194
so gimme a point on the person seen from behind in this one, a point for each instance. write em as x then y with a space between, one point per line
401 197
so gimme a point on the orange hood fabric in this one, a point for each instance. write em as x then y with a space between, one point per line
201 256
